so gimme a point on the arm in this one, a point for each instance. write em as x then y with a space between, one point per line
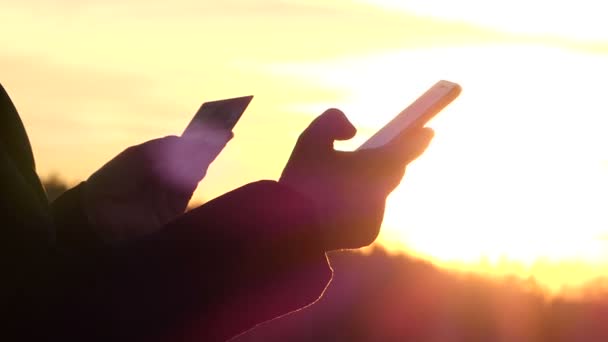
203 272
243 258
254 253
73 283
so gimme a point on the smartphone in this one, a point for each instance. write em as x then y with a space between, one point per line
415 115
221 114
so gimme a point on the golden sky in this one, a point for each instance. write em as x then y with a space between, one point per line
516 176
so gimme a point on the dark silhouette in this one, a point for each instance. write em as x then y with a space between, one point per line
115 258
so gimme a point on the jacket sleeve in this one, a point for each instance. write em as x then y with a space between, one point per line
74 234
241 259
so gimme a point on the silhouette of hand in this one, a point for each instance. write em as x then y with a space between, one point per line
348 189
147 185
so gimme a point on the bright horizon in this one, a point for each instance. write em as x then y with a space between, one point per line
515 181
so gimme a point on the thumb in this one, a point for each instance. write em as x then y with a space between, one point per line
329 126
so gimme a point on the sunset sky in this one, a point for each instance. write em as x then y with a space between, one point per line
516 179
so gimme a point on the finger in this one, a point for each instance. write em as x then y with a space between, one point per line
220 137
389 162
410 146
182 162
198 153
211 137
330 126
382 166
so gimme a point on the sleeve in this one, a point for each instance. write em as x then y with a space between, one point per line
246 257
74 233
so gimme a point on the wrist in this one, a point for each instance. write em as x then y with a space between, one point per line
316 211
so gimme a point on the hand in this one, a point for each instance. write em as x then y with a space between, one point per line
147 185
348 189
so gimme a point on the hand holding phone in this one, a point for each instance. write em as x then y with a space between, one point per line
415 115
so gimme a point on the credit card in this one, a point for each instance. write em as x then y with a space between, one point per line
221 114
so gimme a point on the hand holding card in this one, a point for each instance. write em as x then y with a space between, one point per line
147 185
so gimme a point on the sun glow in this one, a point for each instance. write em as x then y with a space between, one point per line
515 180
